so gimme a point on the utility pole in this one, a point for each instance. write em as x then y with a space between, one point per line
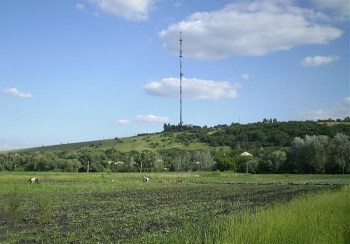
88 167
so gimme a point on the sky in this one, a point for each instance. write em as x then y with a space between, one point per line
83 70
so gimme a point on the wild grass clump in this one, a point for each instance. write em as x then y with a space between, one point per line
320 218
12 207
44 210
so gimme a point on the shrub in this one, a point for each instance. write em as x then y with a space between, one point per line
13 207
44 210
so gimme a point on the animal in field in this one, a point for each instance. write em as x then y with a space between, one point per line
33 180
145 179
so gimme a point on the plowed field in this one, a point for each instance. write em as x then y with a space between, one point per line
92 212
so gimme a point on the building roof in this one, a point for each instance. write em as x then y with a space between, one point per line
246 154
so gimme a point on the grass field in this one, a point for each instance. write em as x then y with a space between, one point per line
139 143
112 208
320 218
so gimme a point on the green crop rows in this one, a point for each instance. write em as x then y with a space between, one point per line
112 208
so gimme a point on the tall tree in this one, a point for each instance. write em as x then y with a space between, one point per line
298 150
146 160
318 148
277 158
341 149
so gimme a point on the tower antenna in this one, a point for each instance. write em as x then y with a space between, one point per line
181 74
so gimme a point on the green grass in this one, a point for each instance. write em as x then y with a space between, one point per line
322 218
153 142
112 207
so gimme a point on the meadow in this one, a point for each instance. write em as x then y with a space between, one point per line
191 207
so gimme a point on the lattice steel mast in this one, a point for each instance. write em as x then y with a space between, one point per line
181 74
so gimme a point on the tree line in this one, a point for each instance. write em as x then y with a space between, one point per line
88 159
308 155
256 135
277 147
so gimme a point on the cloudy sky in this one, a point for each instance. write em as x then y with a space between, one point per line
81 70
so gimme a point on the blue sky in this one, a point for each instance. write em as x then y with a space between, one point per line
84 70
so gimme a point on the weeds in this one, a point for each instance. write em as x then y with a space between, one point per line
44 210
13 207
320 218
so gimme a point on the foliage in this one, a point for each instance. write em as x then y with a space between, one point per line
147 161
13 207
341 151
277 158
226 164
278 147
44 212
195 161
313 154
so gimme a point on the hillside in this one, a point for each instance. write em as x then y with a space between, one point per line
248 136
196 148
154 142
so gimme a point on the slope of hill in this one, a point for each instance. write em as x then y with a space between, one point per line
318 148
152 142
278 134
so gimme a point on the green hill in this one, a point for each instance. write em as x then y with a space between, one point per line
154 142
248 136
196 148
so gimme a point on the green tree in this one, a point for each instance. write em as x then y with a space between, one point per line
69 165
299 152
251 166
158 164
187 162
318 148
2 162
177 164
146 160
204 160
41 163
225 164
341 151
247 164
85 161
277 158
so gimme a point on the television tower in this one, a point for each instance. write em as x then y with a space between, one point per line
181 74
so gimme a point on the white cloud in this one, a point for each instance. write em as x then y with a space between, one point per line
245 76
318 60
339 111
192 88
248 28
136 10
122 122
80 6
152 118
14 92
338 8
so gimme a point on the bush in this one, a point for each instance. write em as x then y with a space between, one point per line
13 207
226 164
44 210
